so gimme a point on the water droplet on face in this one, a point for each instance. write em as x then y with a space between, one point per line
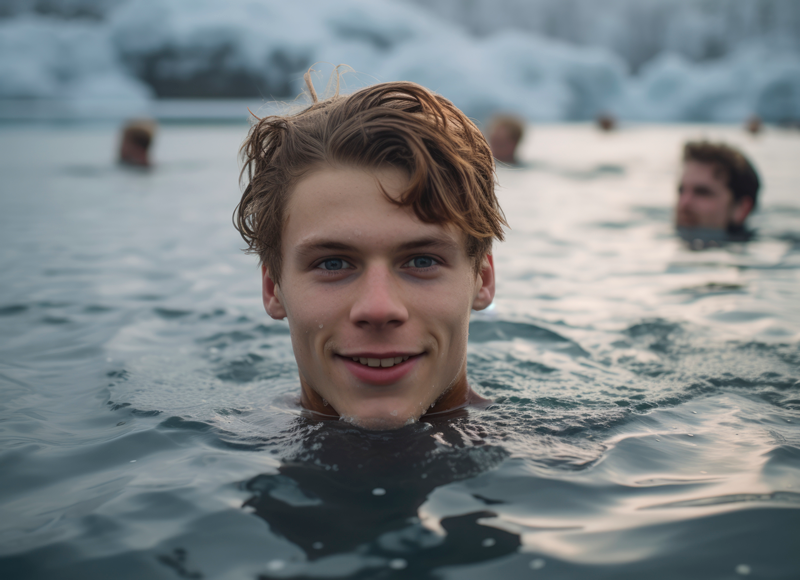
394 413
537 563
321 325
324 402
488 542
397 564
378 491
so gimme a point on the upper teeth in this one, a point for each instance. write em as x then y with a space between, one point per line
380 362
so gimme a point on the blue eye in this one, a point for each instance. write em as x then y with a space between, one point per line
333 264
422 262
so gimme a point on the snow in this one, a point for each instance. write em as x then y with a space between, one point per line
132 51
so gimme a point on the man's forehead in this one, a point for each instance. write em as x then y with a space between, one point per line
430 238
348 207
700 170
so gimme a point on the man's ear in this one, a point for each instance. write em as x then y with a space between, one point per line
269 294
741 209
485 291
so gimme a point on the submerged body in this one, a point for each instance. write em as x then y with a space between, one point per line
644 422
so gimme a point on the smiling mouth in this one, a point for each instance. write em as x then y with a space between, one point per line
380 362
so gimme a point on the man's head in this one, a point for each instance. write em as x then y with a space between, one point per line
718 188
373 216
135 142
504 133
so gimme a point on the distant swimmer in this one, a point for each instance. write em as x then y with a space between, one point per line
373 216
718 190
135 141
753 125
606 122
504 134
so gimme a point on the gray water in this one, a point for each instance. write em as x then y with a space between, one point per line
646 415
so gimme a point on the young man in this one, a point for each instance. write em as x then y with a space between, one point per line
373 217
717 191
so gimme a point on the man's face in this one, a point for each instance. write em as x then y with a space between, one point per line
378 302
706 201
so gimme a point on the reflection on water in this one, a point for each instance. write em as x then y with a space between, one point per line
646 397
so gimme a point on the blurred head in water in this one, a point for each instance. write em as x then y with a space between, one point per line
718 188
606 122
135 141
373 217
504 134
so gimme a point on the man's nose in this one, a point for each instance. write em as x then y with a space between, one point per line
379 300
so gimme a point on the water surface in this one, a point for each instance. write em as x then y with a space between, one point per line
646 396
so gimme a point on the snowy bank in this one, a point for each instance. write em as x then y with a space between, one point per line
131 51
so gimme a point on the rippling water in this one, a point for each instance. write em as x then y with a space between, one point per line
646 416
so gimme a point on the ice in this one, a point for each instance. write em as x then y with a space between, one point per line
131 51
750 80
42 57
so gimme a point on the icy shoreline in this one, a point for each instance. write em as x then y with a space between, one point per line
132 52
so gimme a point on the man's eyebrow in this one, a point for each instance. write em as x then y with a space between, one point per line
433 242
323 245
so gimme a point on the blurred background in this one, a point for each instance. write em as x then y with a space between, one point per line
545 60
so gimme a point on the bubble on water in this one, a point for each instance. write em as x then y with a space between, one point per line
537 563
743 569
397 564
424 476
133 461
690 435
378 491
703 472
488 542
317 545
276 565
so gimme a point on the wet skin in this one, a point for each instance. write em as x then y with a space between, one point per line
706 201
365 279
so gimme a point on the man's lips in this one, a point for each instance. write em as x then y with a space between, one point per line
380 368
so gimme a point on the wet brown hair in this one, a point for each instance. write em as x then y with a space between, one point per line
729 163
397 124
139 132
